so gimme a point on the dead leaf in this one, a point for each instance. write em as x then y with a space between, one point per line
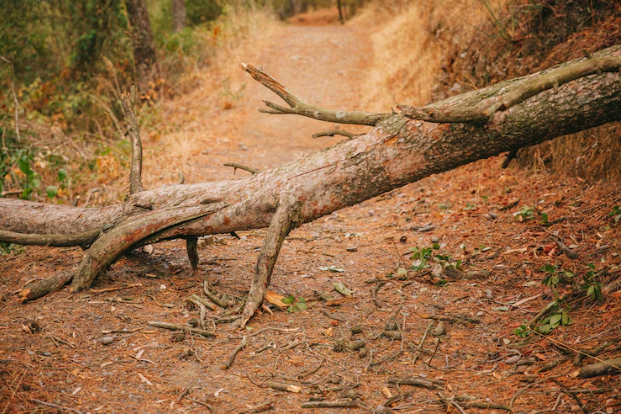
275 299
341 288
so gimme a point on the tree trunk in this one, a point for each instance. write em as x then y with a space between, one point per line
145 60
516 113
179 15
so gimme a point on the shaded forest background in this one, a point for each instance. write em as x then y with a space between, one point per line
68 62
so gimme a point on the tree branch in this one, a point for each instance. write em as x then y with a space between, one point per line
133 131
298 107
235 166
286 218
516 93
333 132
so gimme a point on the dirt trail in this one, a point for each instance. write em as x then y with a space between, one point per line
323 65
54 350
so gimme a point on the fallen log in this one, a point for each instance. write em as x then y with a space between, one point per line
400 149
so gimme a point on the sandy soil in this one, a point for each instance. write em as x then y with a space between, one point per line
95 352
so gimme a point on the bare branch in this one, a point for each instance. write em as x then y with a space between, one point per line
235 166
516 93
136 167
333 132
298 107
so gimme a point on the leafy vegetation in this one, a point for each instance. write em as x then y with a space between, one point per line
296 304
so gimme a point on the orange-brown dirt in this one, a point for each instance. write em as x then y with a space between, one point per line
52 351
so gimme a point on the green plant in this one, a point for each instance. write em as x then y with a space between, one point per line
615 213
592 287
523 331
544 219
17 166
422 256
524 214
63 183
295 304
557 318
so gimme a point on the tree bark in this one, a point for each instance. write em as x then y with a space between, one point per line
179 15
398 151
145 60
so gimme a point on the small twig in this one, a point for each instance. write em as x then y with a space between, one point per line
203 301
454 319
450 402
417 382
199 402
60 407
573 395
330 404
235 351
236 166
175 327
438 342
333 132
303 374
113 289
420 346
214 298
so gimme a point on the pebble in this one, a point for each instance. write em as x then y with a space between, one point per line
434 239
107 340
352 249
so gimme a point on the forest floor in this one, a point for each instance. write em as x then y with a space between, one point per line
94 351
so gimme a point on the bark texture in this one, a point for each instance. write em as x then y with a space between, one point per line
145 60
398 151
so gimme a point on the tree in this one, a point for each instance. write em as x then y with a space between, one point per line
401 148
145 60
179 15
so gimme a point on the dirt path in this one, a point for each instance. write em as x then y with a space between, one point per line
95 352
324 65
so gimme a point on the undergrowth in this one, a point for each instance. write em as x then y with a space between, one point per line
69 112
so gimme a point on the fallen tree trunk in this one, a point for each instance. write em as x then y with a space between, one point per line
399 150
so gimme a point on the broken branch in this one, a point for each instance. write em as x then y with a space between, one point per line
298 107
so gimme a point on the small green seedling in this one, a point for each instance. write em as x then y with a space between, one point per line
296 305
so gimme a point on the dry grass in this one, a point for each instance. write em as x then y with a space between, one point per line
410 43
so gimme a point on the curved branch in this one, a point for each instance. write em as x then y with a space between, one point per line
107 248
298 107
